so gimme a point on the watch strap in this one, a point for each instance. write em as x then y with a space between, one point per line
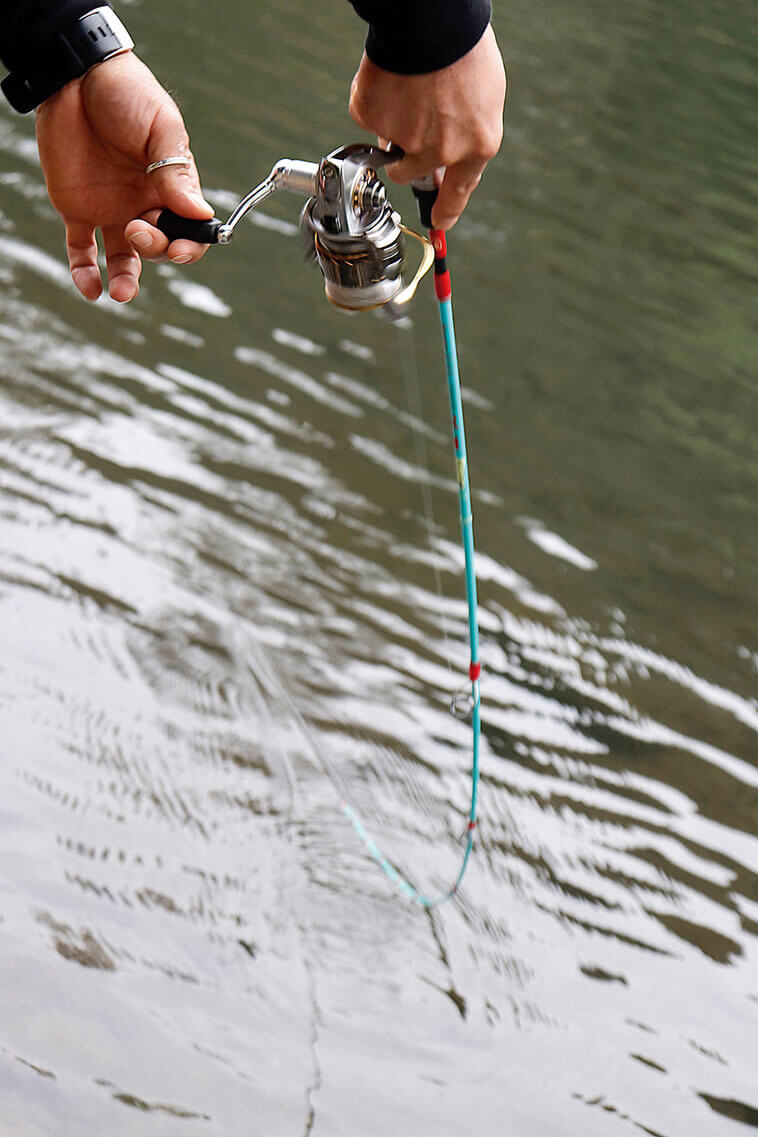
94 37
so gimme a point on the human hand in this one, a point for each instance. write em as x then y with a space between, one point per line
95 138
452 118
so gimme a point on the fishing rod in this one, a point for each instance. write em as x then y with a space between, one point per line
357 239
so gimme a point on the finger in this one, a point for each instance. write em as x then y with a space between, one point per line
153 245
458 183
124 265
178 186
147 241
81 247
411 167
397 152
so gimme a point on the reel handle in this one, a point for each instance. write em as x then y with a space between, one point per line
174 227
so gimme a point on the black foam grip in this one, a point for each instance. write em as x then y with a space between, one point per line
425 199
176 227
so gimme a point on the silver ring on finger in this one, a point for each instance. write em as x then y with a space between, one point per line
176 160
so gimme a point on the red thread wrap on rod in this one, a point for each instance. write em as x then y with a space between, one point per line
442 284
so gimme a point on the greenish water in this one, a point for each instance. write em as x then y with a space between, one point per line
219 609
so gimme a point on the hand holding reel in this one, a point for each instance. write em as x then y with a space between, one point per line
348 226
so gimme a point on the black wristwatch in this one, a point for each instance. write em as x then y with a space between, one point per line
91 39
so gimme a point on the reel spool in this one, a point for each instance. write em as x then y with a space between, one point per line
348 226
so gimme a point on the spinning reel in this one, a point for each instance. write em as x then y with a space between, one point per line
348 226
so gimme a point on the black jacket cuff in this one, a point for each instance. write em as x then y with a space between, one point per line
412 37
28 26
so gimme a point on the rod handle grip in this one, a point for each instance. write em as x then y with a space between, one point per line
425 192
175 227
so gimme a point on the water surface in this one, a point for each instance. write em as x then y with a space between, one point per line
225 601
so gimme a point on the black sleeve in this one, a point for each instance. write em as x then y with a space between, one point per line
410 37
405 36
27 25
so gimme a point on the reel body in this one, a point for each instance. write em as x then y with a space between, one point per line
348 227
352 232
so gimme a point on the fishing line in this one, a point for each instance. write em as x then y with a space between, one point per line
410 370
471 708
357 239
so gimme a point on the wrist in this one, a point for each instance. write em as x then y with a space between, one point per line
93 37
110 65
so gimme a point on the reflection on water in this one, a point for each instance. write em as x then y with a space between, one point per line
226 599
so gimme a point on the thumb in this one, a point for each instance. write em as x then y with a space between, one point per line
177 185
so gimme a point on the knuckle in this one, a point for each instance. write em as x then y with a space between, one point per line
489 141
358 110
121 263
447 151
463 190
356 114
